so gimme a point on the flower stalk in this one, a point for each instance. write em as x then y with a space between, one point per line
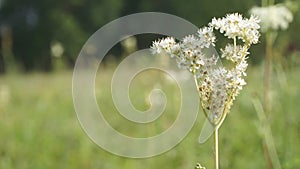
216 139
269 46
280 19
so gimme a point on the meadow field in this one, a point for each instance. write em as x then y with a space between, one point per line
39 127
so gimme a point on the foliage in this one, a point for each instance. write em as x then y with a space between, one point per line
36 24
39 128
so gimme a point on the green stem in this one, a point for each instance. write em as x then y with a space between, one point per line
224 112
267 95
234 43
272 160
271 147
216 148
268 59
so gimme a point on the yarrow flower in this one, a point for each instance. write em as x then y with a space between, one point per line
273 17
217 85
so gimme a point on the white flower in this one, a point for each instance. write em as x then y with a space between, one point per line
207 36
250 33
228 53
230 25
163 45
242 66
235 26
155 48
218 86
190 41
273 17
218 24
234 54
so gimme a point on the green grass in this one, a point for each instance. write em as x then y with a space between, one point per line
39 128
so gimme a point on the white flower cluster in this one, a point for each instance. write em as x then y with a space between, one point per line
189 52
273 17
235 26
217 85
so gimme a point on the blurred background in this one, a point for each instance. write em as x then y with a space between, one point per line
40 41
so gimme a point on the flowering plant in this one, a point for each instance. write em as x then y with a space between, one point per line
273 17
217 85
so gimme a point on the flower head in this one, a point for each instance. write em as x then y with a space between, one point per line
273 17
207 36
217 85
235 26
